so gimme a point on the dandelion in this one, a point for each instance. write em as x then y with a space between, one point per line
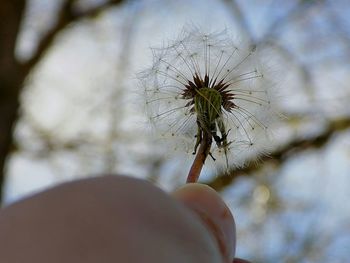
213 94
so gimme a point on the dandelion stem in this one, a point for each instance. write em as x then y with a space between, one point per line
201 156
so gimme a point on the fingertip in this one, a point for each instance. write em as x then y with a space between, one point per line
213 211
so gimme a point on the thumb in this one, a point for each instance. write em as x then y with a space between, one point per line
208 205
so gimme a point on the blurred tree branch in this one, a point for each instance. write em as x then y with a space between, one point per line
239 19
279 156
66 16
13 74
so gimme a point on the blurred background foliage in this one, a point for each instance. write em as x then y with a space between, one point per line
69 108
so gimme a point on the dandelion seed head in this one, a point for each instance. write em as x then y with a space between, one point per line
207 80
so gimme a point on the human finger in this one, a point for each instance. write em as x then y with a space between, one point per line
214 213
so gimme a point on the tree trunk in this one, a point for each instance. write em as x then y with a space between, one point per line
11 77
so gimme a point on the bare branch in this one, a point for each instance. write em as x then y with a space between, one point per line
65 16
282 154
240 19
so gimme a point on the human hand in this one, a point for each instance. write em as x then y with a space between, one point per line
118 219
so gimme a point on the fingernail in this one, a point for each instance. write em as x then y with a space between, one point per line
215 214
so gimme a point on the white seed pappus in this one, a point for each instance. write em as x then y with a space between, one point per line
197 61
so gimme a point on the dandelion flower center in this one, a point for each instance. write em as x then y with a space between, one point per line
207 104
